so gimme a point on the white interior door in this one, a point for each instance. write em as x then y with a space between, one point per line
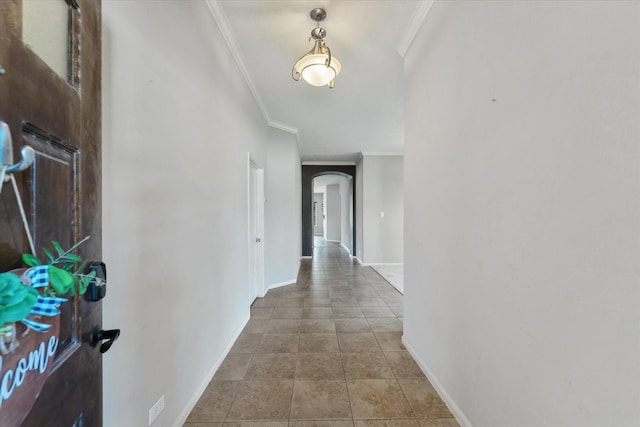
256 231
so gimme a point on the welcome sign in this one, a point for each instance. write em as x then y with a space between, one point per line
24 372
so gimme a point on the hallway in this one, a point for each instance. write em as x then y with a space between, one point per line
325 351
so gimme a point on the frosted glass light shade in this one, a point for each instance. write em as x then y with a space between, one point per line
314 70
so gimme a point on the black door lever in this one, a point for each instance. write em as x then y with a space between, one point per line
111 335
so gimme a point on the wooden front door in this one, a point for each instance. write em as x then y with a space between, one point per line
50 98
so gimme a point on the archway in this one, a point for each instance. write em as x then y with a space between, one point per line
309 172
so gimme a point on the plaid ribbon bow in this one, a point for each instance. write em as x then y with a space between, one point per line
45 306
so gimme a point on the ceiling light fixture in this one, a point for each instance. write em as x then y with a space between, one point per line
317 67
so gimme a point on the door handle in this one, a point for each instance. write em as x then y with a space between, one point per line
111 335
258 240
6 153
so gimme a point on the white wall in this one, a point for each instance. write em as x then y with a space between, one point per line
178 121
282 209
346 214
522 210
332 206
318 199
383 192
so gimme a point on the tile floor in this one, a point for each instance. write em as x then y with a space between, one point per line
325 352
393 274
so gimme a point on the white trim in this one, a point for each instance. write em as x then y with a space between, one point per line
363 154
196 396
314 163
373 266
230 39
259 227
306 257
345 246
332 241
395 264
359 261
451 404
279 285
284 127
420 14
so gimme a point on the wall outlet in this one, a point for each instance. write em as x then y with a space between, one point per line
155 410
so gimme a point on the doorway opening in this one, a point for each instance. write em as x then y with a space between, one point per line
333 209
309 172
255 196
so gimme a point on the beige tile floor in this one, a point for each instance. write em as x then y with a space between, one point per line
325 352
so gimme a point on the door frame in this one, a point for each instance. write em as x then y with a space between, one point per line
309 172
258 203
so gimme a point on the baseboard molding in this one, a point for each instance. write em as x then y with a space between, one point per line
344 246
453 407
391 264
306 257
278 285
359 261
196 396
333 241
382 275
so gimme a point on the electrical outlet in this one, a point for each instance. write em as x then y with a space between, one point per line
155 410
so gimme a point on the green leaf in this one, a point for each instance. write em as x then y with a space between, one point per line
72 258
85 281
31 260
61 281
15 313
58 248
16 300
48 253
82 266
12 298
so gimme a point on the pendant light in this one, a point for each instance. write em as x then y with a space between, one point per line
317 67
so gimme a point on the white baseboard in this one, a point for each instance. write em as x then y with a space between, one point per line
453 407
359 261
344 246
391 264
333 241
196 396
306 257
277 285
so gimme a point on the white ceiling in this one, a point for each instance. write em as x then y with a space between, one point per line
364 112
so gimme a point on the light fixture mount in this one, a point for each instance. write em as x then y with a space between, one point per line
317 67
318 14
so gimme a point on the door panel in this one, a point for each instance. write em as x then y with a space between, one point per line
53 211
253 232
59 116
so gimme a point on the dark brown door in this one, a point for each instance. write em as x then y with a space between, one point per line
51 102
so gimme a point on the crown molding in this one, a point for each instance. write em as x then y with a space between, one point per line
230 40
312 163
420 14
367 154
284 127
289 129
